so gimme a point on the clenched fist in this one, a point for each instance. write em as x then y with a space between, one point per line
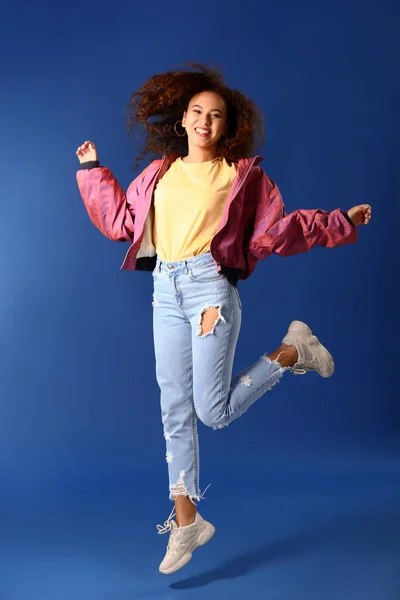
87 152
360 215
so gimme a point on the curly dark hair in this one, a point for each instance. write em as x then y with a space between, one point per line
163 98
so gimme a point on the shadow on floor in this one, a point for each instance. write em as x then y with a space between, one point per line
373 534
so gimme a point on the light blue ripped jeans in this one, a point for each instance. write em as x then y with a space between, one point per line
194 371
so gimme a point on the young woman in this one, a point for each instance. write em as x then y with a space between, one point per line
200 219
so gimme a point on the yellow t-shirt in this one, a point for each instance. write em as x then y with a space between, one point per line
189 201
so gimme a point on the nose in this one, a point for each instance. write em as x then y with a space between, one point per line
208 120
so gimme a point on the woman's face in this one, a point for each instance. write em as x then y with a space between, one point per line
205 120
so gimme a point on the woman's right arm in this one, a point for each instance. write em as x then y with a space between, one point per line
109 208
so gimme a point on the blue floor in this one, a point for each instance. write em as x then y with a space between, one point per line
322 529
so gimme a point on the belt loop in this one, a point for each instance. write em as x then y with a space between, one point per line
186 268
159 266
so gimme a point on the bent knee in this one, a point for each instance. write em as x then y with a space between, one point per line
213 419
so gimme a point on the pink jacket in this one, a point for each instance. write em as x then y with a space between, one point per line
254 224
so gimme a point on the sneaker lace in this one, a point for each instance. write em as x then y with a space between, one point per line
167 524
175 534
301 368
174 539
298 370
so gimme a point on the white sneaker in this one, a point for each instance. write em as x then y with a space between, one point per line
313 356
183 541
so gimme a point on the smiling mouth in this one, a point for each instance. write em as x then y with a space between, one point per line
202 132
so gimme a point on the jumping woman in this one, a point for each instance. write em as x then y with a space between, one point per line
200 218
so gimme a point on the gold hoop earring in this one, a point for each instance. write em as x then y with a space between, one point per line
179 134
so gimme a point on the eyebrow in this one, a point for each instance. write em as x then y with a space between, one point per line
212 110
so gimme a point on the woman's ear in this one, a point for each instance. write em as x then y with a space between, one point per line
184 119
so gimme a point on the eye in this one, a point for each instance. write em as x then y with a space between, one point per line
196 110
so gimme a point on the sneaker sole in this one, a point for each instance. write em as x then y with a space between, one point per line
205 536
303 329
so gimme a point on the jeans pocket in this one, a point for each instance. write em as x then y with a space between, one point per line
206 274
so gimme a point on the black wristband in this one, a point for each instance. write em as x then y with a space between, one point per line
90 164
346 214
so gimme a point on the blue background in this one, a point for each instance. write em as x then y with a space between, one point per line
305 487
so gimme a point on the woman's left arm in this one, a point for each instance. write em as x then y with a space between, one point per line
276 232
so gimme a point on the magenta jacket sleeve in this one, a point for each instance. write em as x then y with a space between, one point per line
285 234
109 208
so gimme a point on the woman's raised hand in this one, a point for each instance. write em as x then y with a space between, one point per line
360 215
87 152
